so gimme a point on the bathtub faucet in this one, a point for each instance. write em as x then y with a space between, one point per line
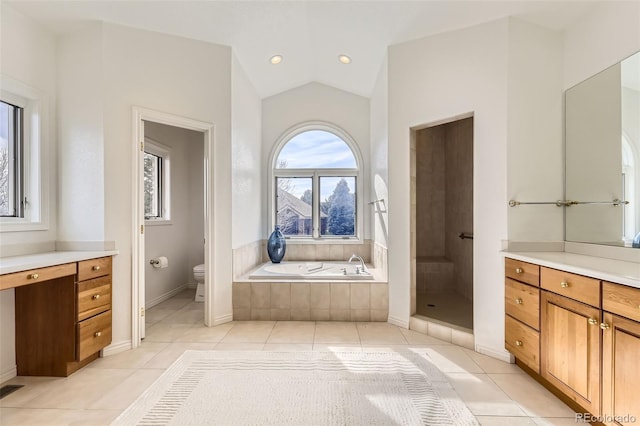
360 268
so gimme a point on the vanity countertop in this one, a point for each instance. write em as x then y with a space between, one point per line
617 271
42 260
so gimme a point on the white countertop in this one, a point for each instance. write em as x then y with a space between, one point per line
42 260
616 271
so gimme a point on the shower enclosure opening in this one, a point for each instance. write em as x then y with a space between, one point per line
442 223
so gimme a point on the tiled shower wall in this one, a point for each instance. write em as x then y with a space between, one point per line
442 208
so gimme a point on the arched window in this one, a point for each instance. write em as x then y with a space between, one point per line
316 184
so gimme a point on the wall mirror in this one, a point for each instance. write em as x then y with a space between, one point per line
602 154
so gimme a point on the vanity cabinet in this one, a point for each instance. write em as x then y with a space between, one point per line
589 340
522 305
62 316
621 353
570 349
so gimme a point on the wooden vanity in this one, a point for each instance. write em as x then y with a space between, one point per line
62 315
579 335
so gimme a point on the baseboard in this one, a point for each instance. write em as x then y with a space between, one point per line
166 296
502 355
116 348
222 319
400 322
9 374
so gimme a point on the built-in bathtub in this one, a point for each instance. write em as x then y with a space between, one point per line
312 271
311 291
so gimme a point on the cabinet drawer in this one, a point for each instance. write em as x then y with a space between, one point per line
522 302
94 297
523 342
621 299
94 268
94 334
33 276
522 271
576 287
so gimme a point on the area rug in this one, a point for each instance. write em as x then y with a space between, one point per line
299 388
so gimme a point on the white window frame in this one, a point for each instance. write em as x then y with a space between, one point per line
315 174
35 156
164 153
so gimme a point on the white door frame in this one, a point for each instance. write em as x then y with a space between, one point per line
138 260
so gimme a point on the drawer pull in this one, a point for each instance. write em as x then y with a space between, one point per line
605 326
97 334
593 321
518 342
518 301
33 276
564 284
96 297
519 270
95 268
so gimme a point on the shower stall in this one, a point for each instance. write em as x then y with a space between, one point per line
442 222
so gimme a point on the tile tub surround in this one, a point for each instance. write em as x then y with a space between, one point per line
310 301
320 252
249 256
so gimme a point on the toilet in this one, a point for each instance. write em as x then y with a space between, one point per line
198 275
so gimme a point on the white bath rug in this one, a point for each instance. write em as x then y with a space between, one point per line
299 388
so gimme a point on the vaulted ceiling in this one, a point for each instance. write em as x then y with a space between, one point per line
308 34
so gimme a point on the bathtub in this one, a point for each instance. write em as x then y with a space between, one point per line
331 271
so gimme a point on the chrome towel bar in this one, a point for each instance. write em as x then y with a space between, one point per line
568 203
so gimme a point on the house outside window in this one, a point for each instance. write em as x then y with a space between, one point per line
316 185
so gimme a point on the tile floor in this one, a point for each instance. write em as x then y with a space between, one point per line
447 307
496 392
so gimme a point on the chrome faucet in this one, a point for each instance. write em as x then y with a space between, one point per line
360 268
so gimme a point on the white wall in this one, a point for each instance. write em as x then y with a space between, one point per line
433 79
181 240
81 137
247 164
27 56
535 161
609 33
379 153
163 73
316 102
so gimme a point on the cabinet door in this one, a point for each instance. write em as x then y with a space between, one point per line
570 349
620 370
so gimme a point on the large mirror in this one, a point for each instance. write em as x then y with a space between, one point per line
602 148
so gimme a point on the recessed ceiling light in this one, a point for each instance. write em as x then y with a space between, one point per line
276 59
344 59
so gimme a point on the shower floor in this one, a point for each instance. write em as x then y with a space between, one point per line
451 308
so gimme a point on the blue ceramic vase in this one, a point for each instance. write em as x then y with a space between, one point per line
276 245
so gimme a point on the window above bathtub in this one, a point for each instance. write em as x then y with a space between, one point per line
316 185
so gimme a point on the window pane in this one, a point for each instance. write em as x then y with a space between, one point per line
338 206
10 117
152 187
316 149
294 206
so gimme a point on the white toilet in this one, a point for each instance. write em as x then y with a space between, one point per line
198 275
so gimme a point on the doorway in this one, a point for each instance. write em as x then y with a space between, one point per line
174 215
153 135
443 221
